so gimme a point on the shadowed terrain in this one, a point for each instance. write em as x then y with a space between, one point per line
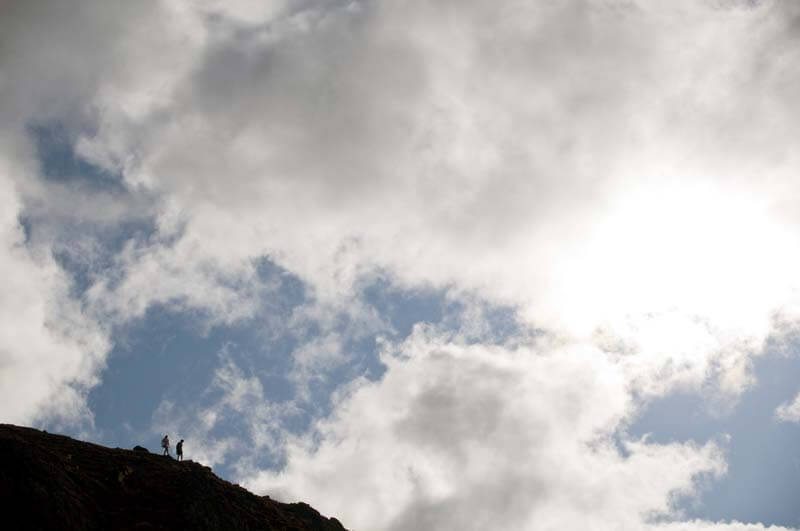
54 482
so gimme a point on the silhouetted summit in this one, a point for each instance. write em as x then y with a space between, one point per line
54 482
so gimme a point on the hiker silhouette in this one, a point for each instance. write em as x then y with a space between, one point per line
179 450
165 445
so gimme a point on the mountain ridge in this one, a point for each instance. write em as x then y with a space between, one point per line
51 481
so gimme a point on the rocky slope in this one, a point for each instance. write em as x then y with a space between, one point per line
54 482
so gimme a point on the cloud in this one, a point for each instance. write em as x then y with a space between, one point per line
789 411
699 525
470 437
50 349
633 199
238 422
61 64
567 160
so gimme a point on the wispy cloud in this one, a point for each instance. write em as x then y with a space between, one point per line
789 411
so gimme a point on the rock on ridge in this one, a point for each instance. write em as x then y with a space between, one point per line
51 481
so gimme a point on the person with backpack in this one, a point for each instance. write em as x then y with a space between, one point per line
165 445
179 450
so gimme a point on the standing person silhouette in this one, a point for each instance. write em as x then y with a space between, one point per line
165 445
179 450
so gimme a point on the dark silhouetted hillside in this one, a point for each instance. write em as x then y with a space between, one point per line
54 482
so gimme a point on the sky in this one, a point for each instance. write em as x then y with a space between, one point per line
449 265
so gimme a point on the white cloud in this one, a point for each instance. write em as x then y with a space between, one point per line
568 159
50 351
178 274
314 359
699 525
470 437
55 61
789 411
244 11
